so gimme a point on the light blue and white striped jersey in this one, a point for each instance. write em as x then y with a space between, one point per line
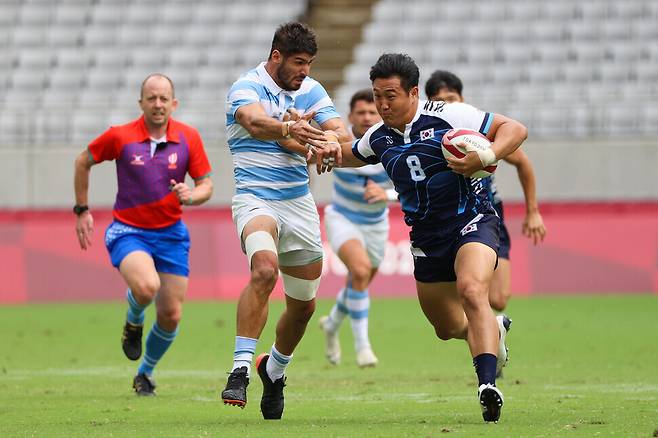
349 188
262 167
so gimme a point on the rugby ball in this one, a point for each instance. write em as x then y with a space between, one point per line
474 141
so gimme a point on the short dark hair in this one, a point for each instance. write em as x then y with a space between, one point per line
159 75
396 64
365 94
294 37
443 79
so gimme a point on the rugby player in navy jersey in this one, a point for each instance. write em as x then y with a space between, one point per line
446 86
454 228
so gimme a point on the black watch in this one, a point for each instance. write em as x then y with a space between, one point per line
79 209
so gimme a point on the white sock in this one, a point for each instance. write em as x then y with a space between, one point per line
358 303
338 313
276 364
243 353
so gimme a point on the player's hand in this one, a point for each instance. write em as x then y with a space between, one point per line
303 132
466 166
182 191
374 193
328 153
533 227
84 229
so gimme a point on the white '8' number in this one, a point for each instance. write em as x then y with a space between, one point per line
416 171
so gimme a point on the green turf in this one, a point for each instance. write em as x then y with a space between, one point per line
579 366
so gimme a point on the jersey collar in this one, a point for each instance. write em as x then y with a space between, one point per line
267 80
407 128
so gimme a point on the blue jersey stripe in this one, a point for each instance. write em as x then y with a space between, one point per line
278 194
297 174
486 123
360 217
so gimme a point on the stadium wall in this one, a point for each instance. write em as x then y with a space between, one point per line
567 170
590 248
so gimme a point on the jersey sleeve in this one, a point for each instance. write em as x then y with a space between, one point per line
463 115
319 101
199 166
362 149
105 147
243 92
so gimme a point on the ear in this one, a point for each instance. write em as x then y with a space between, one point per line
174 104
277 57
414 91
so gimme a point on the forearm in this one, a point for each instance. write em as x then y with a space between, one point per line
202 191
349 159
293 146
508 138
81 180
527 179
264 127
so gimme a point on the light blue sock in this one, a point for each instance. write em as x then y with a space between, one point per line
244 353
135 310
157 343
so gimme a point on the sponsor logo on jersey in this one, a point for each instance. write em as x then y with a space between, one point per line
137 160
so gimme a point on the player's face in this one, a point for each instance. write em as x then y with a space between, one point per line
363 116
396 106
292 70
157 101
447 95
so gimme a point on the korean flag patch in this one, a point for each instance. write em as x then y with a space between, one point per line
427 133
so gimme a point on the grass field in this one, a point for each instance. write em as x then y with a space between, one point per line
579 366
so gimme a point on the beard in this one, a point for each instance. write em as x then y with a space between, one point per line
287 79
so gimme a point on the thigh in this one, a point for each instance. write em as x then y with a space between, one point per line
475 261
376 237
137 268
171 250
353 254
440 303
252 214
340 229
299 231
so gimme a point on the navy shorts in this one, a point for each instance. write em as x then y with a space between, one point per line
505 243
436 263
169 247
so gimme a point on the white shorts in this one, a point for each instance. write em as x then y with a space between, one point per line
297 221
372 236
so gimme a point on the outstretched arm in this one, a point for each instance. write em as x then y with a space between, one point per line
533 224
253 118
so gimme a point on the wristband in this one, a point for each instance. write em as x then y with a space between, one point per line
487 157
189 201
285 129
392 195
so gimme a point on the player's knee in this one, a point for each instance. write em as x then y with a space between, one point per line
169 318
144 289
361 275
264 277
472 293
445 332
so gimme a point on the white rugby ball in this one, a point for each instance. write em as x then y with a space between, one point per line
474 141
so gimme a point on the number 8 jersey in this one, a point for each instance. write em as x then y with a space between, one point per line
431 194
